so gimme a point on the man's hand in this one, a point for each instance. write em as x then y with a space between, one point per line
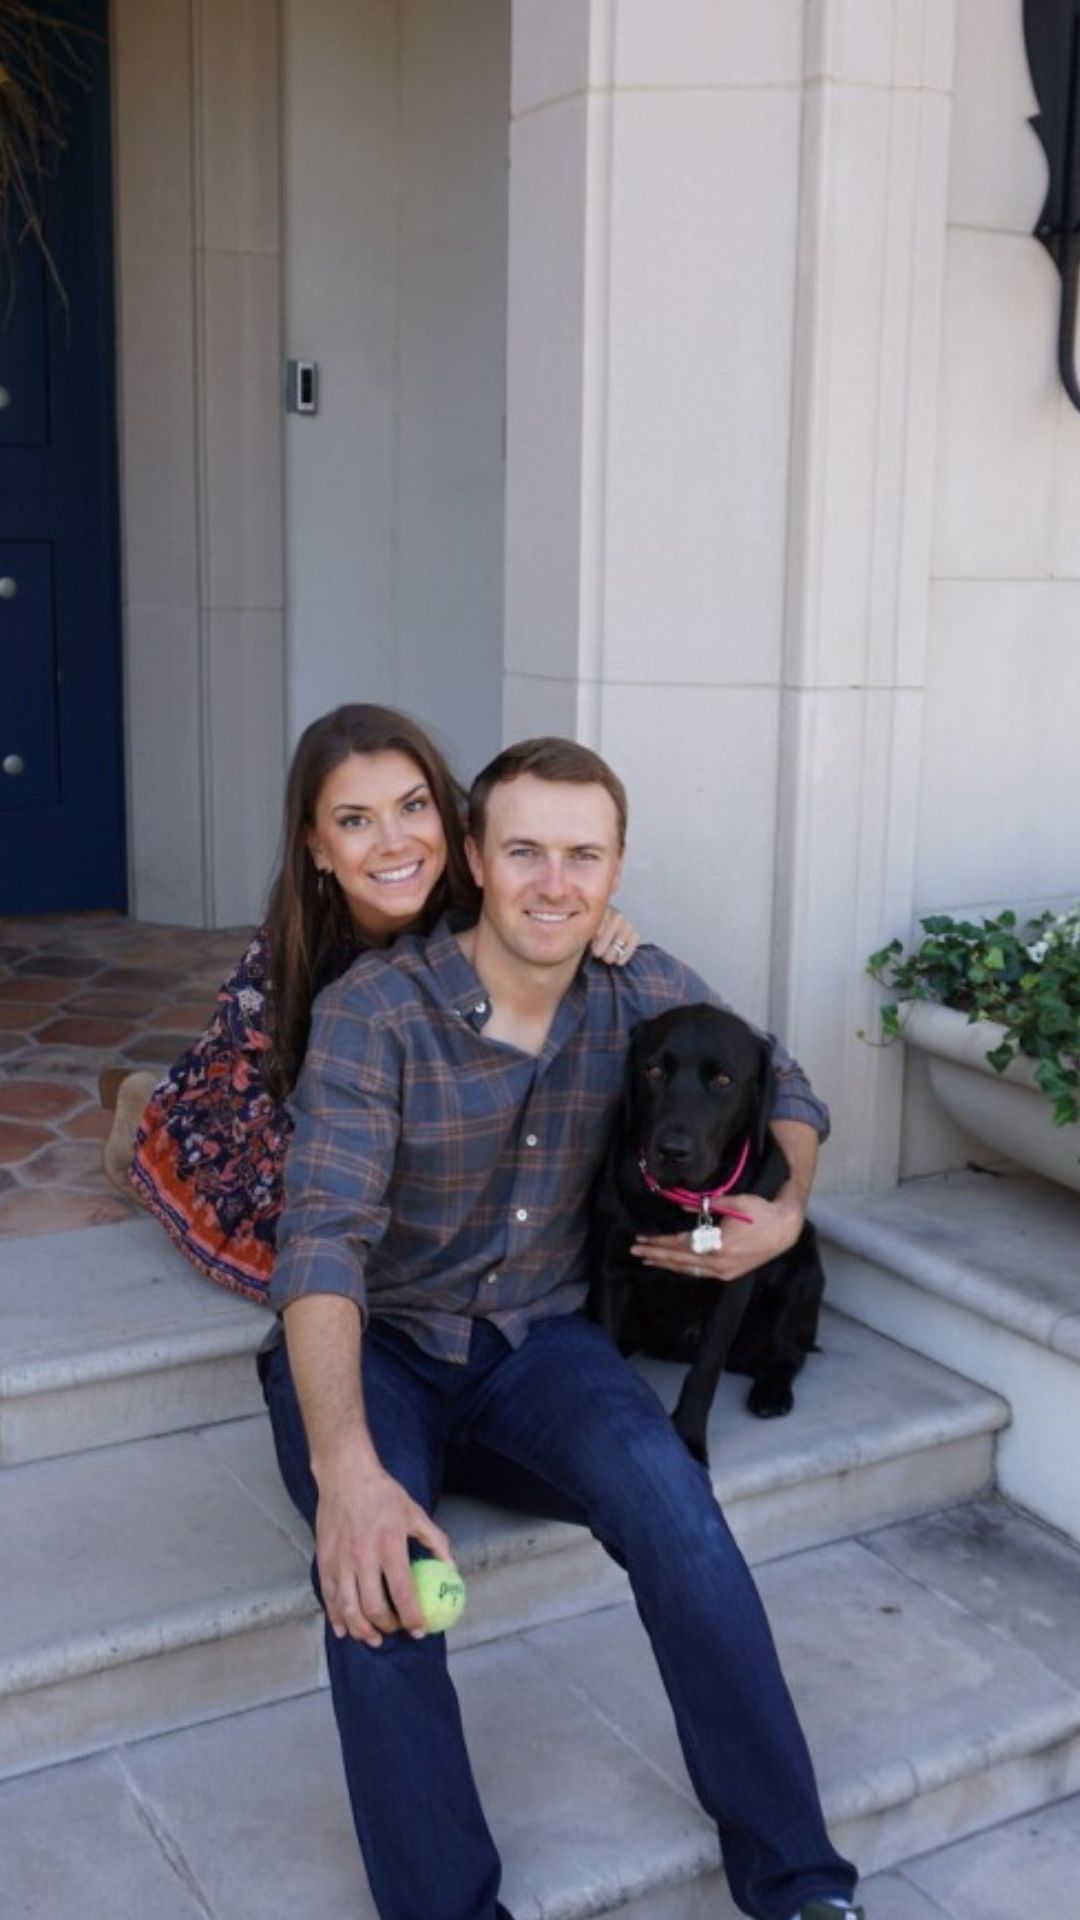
364 1519
363 1525
771 1227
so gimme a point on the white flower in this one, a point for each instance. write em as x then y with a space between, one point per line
1062 931
1039 951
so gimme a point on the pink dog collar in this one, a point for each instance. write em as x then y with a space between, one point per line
703 1204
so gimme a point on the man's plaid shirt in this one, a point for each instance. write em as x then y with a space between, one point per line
435 1176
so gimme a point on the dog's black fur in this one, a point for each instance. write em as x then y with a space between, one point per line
699 1082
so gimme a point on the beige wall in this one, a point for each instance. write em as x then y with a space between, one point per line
790 512
793 526
340 173
654 212
395 239
455 93
726 242
196 139
386 120
998 803
997 796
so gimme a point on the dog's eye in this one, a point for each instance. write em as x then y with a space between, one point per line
720 1080
654 1071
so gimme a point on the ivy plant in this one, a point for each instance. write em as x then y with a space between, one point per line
1025 975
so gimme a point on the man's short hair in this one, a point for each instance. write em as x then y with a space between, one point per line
548 758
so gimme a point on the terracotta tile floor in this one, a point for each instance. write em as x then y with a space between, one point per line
79 992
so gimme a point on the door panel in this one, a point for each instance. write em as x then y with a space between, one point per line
61 789
24 419
28 678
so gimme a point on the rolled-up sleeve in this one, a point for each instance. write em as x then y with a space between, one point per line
346 1109
795 1097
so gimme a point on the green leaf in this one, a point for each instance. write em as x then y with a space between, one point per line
879 961
1055 1080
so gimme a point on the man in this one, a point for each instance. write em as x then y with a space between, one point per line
431 1270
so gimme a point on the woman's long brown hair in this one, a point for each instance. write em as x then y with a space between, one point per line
310 932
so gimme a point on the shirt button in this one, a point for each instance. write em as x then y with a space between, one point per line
522 1213
491 1279
530 1140
480 1007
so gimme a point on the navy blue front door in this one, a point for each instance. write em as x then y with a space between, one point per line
61 785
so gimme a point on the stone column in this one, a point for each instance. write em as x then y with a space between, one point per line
872 222
197 132
726 237
654 191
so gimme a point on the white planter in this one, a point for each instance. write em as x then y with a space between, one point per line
1008 1111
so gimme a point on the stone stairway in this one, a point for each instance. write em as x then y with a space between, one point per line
980 1271
157 1629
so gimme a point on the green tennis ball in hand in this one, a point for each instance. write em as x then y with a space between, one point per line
440 1590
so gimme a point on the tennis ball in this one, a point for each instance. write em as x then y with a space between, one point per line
440 1590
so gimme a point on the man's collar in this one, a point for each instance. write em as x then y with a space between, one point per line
459 984
464 991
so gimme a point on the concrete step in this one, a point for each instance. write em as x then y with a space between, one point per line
936 1665
1026 1866
163 1581
110 1335
981 1272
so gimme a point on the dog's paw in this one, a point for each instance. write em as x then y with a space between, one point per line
770 1399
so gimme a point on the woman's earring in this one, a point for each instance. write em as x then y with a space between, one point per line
321 880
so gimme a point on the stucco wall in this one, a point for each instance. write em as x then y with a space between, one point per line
653 237
998 800
395 245
997 793
196 111
726 242
339 168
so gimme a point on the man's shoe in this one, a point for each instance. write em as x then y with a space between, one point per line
828 1910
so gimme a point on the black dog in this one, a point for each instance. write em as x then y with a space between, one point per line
694 1122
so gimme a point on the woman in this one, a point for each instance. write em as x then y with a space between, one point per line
373 847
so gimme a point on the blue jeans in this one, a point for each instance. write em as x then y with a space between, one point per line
563 1425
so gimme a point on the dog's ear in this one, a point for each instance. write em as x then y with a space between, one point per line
628 1107
766 1099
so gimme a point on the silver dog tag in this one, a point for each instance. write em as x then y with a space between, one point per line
707 1236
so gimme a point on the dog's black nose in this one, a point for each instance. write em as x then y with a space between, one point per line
674 1148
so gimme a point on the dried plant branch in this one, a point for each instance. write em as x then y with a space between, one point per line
41 53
